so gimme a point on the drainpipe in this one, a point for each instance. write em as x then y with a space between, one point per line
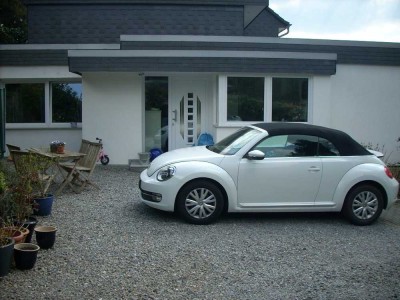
285 32
2 119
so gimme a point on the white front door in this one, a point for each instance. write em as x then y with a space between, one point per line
187 106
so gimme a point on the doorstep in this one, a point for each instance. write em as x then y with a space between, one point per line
137 164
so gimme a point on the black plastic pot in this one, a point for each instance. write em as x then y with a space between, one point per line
45 236
25 255
6 254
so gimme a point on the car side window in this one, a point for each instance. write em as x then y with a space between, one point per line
327 148
288 146
303 145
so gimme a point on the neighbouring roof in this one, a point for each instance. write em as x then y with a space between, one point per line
189 2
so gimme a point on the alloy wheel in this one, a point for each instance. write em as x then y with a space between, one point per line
365 205
200 203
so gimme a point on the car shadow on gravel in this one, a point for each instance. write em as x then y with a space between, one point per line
249 218
275 217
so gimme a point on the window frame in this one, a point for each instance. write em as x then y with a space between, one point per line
222 94
47 124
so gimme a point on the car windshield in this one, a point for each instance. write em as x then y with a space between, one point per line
233 143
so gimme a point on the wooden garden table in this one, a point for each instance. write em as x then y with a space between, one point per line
69 156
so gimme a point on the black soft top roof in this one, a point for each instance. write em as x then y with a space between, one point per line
342 141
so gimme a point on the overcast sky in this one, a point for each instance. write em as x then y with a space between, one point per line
361 20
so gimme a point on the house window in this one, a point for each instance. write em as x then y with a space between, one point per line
289 99
156 113
25 103
245 99
66 99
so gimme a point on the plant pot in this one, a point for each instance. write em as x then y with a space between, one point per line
44 205
6 254
25 255
25 233
45 236
13 233
30 223
144 157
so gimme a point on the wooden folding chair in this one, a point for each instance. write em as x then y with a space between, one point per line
83 169
12 148
25 166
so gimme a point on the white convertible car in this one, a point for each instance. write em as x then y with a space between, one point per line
271 167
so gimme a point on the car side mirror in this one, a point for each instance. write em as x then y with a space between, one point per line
255 155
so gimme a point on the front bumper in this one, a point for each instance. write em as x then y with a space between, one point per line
158 194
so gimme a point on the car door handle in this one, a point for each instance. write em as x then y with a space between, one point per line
174 115
314 169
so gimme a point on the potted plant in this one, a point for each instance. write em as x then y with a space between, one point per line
33 183
9 208
6 242
57 147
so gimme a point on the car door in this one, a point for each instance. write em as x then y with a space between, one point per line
289 175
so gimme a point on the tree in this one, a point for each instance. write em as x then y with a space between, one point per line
13 22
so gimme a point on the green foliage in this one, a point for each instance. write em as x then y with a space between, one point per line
30 168
25 102
3 184
67 104
13 22
289 111
21 187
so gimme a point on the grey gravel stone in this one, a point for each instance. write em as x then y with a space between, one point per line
110 246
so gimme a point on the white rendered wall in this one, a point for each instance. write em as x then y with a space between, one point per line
113 110
366 104
41 138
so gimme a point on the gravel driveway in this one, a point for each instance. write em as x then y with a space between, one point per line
110 246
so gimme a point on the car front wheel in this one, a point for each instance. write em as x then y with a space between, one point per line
363 205
200 202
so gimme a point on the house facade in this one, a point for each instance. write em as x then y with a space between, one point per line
157 74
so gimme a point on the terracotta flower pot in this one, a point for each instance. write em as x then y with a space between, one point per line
13 233
25 232
28 222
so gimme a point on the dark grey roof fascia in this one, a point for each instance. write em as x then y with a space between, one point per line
200 53
59 46
279 18
348 52
305 67
81 61
43 54
33 58
260 40
183 2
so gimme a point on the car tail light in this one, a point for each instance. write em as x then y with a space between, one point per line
388 173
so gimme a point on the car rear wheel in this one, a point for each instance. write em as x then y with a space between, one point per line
363 205
200 202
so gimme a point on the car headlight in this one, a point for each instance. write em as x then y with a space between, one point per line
166 173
